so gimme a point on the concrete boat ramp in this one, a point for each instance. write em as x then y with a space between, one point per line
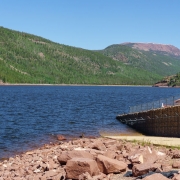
164 141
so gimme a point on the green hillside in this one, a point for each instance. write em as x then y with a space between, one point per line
25 58
169 81
174 80
153 61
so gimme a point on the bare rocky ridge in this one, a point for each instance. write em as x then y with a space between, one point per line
93 159
155 47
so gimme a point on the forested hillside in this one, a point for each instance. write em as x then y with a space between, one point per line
171 81
25 58
157 62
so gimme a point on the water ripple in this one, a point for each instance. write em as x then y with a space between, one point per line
34 115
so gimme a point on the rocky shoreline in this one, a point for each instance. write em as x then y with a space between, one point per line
93 159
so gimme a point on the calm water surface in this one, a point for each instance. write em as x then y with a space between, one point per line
32 115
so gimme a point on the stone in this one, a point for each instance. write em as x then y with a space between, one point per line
156 176
166 168
98 145
61 138
85 176
166 165
176 164
78 166
111 154
128 146
55 174
136 159
108 165
176 154
67 155
145 155
176 177
120 157
99 177
125 154
141 169
108 143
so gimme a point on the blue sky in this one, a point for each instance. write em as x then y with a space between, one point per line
95 24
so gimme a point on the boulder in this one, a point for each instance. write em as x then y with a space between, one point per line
67 155
136 159
173 153
141 169
166 168
120 157
108 143
156 176
55 174
111 154
98 145
99 177
166 165
78 166
176 164
145 155
108 165
85 176
176 177
128 146
61 138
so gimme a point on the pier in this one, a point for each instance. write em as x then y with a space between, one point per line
162 121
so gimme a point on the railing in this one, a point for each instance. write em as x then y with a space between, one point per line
172 101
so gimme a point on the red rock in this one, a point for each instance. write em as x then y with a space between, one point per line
61 137
125 154
141 169
166 165
108 143
97 152
113 147
85 176
67 155
99 177
128 146
166 168
145 155
176 177
176 164
78 142
174 153
108 165
120 157
156 176
111 154
78 166
55 174
98 145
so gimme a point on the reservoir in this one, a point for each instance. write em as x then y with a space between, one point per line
33 115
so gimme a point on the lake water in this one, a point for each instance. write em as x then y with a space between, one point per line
32 115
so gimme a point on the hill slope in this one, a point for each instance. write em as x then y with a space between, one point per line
158 59
172 81
25 58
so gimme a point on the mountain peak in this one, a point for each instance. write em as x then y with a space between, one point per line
170 49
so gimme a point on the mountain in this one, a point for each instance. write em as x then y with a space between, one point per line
26 58
159 48
163 60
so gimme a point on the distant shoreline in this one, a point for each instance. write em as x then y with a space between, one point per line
26 84
29 84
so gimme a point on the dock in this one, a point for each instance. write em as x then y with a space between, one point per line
163 121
